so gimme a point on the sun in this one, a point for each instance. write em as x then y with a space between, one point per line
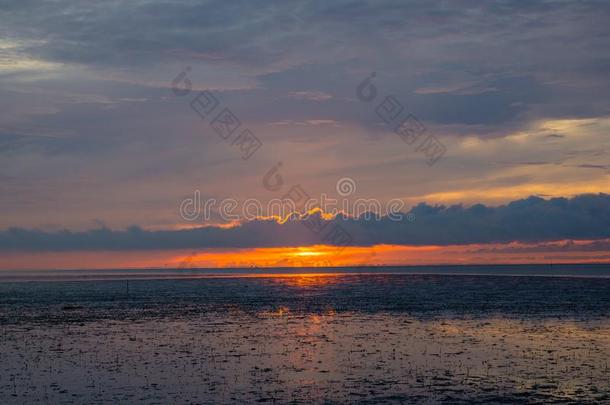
307 252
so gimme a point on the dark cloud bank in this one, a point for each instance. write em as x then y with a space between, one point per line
528 220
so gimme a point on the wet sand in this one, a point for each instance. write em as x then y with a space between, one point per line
303 339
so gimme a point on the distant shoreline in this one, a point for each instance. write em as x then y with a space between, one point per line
577 270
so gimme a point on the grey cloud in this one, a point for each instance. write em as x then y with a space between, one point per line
529 220
522 52
567 246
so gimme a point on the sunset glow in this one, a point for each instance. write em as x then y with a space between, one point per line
320 256
393 255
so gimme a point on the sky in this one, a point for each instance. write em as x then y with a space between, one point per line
113 125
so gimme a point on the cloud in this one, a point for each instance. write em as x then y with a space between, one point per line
486 56
310 95
555 247
534 219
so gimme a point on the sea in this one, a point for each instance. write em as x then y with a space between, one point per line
413 334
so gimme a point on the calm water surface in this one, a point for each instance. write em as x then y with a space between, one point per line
503 334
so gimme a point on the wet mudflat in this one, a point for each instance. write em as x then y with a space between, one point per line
303 339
